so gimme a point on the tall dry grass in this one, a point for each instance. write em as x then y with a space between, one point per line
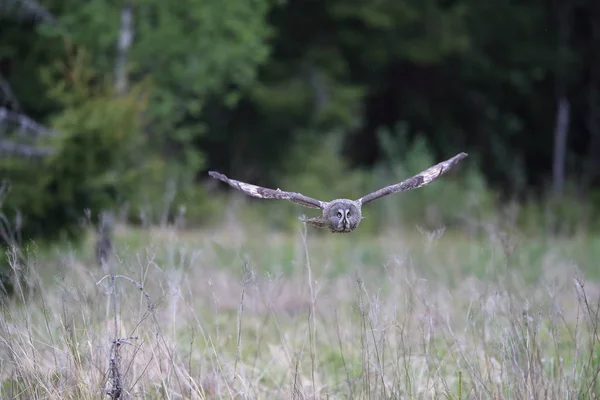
232 313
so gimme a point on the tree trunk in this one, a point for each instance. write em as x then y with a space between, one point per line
560 145
123 46
563 16
318 84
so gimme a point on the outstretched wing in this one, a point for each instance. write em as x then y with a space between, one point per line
421 179
266 193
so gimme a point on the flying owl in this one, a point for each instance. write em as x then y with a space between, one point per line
342 215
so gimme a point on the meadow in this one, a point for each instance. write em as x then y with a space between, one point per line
243 311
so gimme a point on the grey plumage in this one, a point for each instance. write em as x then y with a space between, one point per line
342 215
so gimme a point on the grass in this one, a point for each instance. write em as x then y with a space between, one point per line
234 312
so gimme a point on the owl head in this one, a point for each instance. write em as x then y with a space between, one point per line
343 215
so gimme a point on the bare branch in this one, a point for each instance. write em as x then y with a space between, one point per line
26 125
26 10
7 96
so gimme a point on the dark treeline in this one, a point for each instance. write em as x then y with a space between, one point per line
478 75
113 102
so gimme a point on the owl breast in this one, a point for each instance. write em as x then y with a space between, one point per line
343 216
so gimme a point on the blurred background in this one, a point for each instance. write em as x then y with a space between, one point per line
125 105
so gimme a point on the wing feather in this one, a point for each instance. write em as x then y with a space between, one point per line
423 178
266 193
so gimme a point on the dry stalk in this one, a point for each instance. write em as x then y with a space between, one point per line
247 277
311 314
116 390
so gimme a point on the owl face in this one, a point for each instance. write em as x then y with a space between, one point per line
343 216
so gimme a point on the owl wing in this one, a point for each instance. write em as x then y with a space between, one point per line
421 179
266 193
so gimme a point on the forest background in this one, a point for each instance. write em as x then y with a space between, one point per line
125 105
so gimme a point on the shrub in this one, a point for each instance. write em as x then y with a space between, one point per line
461 194
98 157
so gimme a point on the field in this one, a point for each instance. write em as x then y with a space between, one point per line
240 312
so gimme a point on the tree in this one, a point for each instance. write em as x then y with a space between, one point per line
192 50
12 116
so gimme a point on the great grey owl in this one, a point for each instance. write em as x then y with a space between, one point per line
342 215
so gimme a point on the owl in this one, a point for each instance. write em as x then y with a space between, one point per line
342 215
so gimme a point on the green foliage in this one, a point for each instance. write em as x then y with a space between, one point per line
197 51
171 198
418 31
566 215
319 78
193 51
190 52
316 166
98 154
246 86
461 194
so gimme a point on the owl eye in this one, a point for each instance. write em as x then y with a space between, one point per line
348 214
339 214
